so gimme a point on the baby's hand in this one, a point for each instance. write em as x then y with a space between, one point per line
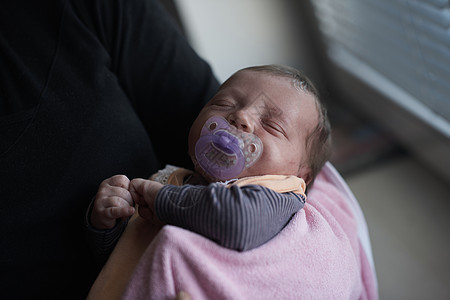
144 193
113 201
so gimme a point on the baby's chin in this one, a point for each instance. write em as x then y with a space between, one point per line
202 172
210 178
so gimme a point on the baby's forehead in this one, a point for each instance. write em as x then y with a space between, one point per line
280 92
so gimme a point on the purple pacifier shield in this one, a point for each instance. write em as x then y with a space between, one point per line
221 149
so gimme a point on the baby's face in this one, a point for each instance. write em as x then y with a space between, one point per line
272 108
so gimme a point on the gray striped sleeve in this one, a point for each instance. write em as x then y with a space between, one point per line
240 218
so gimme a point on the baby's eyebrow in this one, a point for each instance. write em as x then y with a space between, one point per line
269 107
274 111
235 92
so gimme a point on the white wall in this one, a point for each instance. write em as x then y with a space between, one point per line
233 34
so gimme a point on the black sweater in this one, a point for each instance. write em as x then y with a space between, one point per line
88 89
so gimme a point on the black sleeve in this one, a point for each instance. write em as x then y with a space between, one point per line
167 82
240 218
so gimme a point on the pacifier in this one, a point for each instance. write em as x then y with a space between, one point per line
224 151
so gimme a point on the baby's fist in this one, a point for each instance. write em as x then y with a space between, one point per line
144 193
113 201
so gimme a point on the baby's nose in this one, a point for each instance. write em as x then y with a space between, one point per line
242 120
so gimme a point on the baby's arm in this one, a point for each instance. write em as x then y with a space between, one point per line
239 218
107 214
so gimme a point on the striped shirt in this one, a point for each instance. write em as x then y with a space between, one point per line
240 218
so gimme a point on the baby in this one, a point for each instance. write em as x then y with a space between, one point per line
265 124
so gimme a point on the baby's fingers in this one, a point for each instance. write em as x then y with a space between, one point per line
115 212
108 192
118 181
137 190
144 191
107 210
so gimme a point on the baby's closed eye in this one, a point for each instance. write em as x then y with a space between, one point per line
273 127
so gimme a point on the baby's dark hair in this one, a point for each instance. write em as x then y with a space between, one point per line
318 142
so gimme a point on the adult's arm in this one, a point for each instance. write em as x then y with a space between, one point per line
163 77
87 90
240 218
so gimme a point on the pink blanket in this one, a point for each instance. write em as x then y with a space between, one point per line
323 253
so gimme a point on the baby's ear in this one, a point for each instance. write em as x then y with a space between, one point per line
305 173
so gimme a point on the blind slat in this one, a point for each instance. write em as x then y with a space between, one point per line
407 41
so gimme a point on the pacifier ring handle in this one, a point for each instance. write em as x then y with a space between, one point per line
212 125
252 148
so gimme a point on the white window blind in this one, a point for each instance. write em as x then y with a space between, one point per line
405 43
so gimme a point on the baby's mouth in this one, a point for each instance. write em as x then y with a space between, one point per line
220 158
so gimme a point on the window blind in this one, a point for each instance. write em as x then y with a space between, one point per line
403 42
